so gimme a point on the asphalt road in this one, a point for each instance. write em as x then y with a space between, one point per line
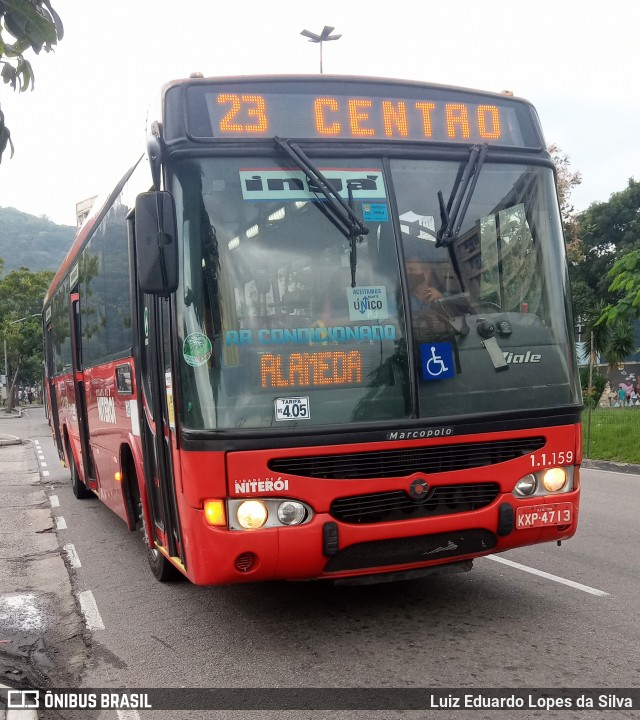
553 617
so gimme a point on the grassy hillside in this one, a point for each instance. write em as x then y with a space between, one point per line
32 242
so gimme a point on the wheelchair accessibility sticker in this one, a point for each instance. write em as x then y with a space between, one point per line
437 361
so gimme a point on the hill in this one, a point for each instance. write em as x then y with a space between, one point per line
32 242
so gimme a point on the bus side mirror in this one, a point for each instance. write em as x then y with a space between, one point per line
156 242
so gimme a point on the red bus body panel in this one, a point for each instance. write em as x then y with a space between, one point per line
111 429
296 552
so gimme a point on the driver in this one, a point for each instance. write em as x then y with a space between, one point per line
423 283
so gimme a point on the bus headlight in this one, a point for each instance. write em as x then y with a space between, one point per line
267 513
526 486
554 479
252 514
291 512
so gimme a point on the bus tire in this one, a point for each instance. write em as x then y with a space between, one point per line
80 490
162 569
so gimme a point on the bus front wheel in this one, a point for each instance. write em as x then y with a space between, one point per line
161 568
80 490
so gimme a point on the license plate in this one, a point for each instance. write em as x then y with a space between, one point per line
544 515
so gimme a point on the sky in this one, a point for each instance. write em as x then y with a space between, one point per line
577 61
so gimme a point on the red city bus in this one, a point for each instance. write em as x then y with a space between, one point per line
321 329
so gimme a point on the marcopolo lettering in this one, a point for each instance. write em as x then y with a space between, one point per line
258 485
420 434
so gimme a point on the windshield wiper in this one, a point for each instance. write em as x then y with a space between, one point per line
336 209
452 216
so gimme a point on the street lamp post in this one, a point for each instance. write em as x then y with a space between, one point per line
324 36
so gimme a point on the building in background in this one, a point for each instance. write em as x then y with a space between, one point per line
83 208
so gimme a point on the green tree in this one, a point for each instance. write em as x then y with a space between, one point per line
625 276
622 342
24 25
593 385
607 232
21 295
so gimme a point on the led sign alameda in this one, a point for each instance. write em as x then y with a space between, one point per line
308 369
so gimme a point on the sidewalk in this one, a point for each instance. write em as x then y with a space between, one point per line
16 413
24 518
41 630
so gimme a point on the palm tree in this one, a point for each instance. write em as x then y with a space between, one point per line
614 342
621 342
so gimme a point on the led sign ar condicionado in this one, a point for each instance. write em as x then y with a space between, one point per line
309 369
344 111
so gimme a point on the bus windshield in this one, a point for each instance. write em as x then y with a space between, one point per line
491 306
272 333
271 330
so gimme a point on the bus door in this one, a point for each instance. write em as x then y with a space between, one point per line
157 426
49 390
79 392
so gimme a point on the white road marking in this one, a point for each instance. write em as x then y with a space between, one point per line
43 464
36 442
127 715
55 502
90 611
548 576
28 714
45 473
61 523
74 560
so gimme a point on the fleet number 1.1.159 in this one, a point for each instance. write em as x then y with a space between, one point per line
552 459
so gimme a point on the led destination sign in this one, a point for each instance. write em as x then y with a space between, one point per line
340 110
308 369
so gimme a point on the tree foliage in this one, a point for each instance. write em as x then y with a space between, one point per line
608 232
566 181
21 296
593 385
603 251
625 276
24 25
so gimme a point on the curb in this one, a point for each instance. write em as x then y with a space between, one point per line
611 466
10 440
10 416
14 714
